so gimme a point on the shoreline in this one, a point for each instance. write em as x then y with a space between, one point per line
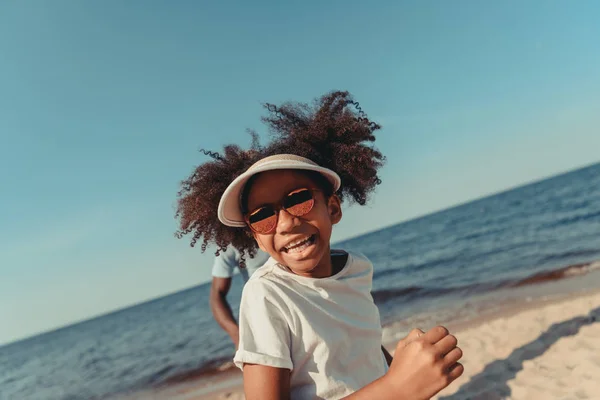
501 303
519 308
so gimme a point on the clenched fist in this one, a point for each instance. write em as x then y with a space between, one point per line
424 364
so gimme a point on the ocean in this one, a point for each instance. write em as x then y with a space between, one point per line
453 264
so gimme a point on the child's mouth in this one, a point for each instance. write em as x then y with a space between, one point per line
299 246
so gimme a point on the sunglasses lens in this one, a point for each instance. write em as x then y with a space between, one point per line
299 203
263 220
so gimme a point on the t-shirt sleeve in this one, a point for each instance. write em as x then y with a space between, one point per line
225 264
264 331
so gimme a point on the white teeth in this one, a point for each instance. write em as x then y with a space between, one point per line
299 248
298 245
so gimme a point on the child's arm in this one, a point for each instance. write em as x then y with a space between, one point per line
266 383
265 341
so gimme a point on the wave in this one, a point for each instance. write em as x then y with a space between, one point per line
557 274
587 253
572 219
481 234
412 293
419 266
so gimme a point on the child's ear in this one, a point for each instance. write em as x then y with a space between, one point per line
335 209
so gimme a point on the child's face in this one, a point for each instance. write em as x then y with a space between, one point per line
314 260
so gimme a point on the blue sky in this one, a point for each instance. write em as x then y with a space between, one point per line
103 106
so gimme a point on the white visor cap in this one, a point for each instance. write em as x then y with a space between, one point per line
230 209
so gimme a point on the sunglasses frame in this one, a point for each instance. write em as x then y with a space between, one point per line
277 207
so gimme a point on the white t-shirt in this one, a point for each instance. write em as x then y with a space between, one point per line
326 331
229 260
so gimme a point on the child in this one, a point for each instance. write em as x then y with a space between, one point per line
309 328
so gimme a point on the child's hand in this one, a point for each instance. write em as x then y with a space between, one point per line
424 364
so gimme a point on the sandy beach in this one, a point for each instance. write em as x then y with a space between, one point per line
546 350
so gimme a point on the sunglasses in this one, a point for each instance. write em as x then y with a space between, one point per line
264 219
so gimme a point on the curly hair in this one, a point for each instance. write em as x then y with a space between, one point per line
334 132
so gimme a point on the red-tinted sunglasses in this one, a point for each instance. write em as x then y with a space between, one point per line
264 219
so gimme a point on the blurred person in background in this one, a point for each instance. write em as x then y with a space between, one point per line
223 270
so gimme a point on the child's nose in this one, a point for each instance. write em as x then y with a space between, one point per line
286 222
